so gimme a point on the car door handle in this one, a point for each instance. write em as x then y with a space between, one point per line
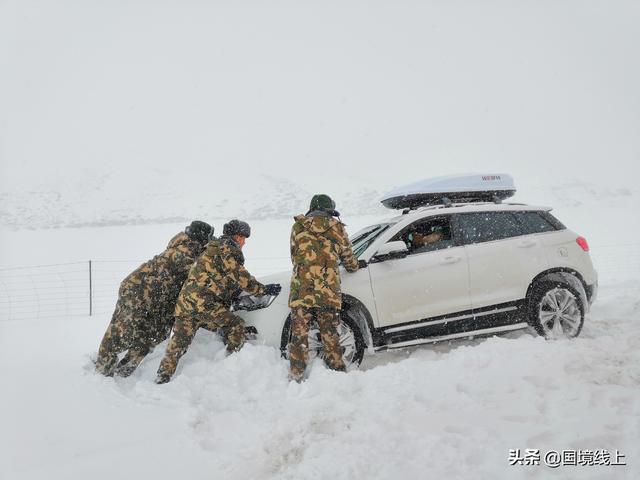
449 259
527 243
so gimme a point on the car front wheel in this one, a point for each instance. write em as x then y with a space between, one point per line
556 311
351 342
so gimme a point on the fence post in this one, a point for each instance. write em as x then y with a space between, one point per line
90 291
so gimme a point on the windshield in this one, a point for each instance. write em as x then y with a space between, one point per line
362 241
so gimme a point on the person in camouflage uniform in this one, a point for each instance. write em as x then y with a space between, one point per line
146 299
206 297
318 243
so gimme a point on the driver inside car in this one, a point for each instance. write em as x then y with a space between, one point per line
420 240
423 237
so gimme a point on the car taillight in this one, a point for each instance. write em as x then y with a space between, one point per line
583 243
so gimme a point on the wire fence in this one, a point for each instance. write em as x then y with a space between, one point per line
78 288
91 287
58 290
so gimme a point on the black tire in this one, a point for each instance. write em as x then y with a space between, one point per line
546 314
355 350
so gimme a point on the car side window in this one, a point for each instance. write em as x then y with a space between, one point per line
533 222
488 226
427 235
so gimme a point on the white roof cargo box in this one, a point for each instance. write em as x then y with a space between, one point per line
454 188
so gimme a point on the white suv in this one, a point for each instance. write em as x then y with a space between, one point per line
451 271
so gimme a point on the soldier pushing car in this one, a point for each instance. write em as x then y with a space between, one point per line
146 300
319 243
161 296
206 297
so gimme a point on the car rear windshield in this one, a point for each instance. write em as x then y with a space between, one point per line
362 241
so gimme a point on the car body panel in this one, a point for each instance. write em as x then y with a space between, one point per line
436 283
269 321
563 251
501 271
419 296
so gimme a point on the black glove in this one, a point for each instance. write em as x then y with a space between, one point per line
272 289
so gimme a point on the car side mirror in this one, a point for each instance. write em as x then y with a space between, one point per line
389 251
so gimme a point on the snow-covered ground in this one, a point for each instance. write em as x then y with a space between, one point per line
121 121
452 411
446 411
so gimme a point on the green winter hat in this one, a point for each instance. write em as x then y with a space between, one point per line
199 231
236 227
321 201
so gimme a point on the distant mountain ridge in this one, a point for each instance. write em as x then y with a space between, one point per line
96 203
112 200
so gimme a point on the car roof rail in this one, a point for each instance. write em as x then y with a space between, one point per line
447 203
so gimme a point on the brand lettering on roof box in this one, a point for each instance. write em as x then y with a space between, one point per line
491 177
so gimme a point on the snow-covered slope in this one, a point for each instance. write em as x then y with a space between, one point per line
444 411
123 113
110 199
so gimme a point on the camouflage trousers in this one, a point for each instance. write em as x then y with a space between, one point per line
328 321
132 330
185 329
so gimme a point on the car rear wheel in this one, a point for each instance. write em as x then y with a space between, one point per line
556 311
351 342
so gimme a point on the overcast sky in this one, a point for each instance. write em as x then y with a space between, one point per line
400 90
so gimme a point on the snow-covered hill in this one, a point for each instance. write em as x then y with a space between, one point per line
122 113
111 199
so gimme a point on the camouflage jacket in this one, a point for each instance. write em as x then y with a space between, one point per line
215 279
155 284
318 243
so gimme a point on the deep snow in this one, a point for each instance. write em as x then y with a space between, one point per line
445 411
448 411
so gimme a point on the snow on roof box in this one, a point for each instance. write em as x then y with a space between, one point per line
456 188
